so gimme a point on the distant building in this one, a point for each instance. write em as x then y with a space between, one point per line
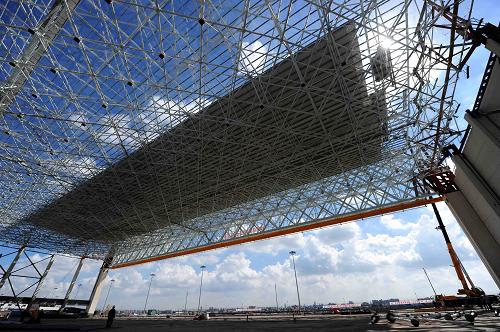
383 303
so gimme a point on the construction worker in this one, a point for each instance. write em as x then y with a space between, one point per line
111 316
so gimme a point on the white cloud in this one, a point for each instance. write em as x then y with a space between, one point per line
174 275
118 129
277 245
391 222
159 115
206 258
252 58
84 167
236 268
77 121
372 259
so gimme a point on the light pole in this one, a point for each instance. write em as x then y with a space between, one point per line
201 285
107 295
292 253
276 295
186 302
149 288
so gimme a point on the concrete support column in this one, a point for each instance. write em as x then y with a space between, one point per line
480 236
72 284
477 205
42 279
99 283
487 127
8 272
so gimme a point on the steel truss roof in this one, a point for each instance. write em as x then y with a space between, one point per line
149 128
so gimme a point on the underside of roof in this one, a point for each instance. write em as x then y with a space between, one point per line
257 141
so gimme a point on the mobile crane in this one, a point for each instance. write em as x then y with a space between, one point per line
471 294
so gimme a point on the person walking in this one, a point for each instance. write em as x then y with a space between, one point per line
111 316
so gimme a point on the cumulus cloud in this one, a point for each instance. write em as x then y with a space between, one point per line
371 259
351 261
391 222
175 275
252 58
159 115
81 167
118 129
275 247
204 258
162 113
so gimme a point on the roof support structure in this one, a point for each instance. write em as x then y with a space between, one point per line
6 273
291 230
160 128
41 280
98 285
43 36
72 283
14 271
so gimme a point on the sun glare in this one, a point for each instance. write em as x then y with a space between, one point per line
385 42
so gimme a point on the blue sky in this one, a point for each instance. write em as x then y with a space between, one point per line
375 258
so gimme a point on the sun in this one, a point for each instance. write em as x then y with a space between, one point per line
386 42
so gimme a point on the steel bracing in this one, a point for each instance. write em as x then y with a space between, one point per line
32 281
148 128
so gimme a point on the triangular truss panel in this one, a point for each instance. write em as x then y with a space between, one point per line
154 127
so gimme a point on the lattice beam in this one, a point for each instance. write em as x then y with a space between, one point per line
152 128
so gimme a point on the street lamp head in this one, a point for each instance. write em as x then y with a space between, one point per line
292 252
112 280
152 274
202 267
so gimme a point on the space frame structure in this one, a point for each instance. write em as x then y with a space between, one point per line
131 127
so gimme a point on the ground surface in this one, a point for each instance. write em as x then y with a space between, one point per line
486 322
